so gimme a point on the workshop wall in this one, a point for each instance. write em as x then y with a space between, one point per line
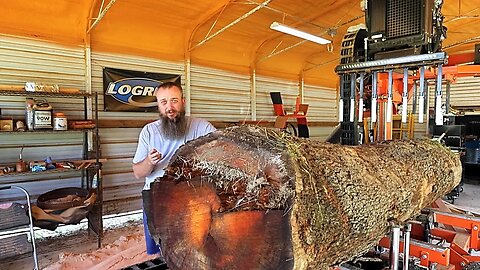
464 96
323 107
322 103
214 94
219 95
465 92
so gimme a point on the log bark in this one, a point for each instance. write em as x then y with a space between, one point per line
253 198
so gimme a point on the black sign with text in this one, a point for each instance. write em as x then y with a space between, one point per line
132 91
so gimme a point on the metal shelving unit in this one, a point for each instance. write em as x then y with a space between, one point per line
91 176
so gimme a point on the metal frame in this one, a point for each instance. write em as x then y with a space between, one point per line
30 219
241 18
392 63
388 65
461 232
98 229
101 14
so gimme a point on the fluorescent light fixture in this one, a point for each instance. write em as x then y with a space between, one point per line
295 32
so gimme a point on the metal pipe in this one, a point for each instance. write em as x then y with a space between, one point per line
406 245
30 218
101 14
394 248
88 103
340 100
447 98
421 95
187 92
405 96
301 87
415 90
304 41
282 12
438 97
390 97
365 48
427 108
353 84
374 98
241 18
360 100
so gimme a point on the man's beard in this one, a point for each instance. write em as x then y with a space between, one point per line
175 128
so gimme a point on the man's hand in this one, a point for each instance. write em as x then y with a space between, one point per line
146 166
154 156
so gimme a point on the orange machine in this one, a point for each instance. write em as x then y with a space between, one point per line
450 239
450 73
300 114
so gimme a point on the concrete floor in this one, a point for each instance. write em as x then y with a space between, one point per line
469 199
70 245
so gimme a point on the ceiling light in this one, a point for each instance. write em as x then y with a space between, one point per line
295 32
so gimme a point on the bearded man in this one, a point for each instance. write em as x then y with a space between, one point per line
159 140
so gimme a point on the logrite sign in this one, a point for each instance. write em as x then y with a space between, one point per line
130 91
134 91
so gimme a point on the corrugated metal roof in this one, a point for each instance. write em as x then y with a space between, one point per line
230 35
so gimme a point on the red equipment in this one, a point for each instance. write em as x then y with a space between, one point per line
457 235
300 113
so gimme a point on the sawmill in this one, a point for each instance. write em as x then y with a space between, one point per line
271 134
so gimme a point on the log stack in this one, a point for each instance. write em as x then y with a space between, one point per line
253 198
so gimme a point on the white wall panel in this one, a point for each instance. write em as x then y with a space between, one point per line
465 92
123 192
320 133
219 95
322 103
25 60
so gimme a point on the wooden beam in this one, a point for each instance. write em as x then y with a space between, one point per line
218 124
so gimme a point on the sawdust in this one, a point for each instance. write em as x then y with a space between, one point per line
125 251
123 245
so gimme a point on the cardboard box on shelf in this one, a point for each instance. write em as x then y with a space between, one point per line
6 125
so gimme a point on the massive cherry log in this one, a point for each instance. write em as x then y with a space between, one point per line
252 198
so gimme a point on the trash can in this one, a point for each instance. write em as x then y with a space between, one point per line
472 154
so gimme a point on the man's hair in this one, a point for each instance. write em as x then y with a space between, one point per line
168 85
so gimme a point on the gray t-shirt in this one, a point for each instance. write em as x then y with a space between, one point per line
150 137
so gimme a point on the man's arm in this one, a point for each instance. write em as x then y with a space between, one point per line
145 167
